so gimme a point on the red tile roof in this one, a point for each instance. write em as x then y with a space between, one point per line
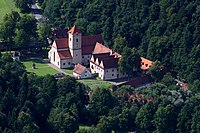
74 30
138 82
62 43
79 69
145 63
110 63
87 49
91 40
100 48
88 43
64 54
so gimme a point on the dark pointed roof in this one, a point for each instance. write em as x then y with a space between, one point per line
74 30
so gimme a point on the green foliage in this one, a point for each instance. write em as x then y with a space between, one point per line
63 121
164 119
144 118
101 101
156 71
44 31
23 5
18 29
130 61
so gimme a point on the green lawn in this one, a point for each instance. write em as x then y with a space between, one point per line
91 80
28 63
6 6
84 127
100 85
41 67
69 70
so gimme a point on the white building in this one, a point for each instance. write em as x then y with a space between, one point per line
81 72
87 50
104 62
66 52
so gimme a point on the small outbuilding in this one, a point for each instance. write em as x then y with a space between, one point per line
81 72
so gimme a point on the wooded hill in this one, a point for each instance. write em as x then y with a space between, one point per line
164 30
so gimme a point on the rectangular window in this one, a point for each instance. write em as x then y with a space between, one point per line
77 40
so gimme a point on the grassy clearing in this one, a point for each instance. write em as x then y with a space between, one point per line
84 127
6 6
99 84
43 71
28 63
41 67
69 70
91 80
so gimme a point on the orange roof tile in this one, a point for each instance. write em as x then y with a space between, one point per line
64 54
146 63
79 69
74 30
100 48
62 43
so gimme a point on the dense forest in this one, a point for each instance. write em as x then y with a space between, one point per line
32 104
163 30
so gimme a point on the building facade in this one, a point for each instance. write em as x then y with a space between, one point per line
89 51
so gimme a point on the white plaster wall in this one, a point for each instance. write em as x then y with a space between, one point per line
85 74
92 67
56 62
110 74
66 63
76 75
75 47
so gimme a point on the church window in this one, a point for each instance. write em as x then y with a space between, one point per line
77 40
82 56
54 56
58 63
70 39
112 74
69 63
76 54
63 64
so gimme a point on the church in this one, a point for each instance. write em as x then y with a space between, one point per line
74 49
67 52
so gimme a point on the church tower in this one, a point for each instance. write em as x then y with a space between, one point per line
75 41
